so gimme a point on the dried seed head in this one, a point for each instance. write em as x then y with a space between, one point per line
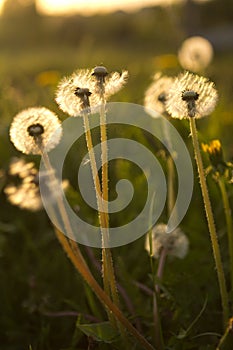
24 191
191 95
176 243
33 124
195 54
156 94
76 92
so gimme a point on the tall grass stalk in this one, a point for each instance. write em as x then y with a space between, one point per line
210 220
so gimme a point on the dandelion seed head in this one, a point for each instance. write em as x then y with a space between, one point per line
32 123
26 193
195 54
18 167
156 94
68 95
191 95
176 243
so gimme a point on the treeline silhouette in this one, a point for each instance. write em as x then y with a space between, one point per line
155 28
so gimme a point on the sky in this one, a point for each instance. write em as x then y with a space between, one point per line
54 7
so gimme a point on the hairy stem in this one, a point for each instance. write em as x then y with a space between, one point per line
227 210
210 220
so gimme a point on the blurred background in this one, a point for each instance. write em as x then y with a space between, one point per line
41 41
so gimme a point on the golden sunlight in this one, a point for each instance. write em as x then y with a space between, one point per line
91 6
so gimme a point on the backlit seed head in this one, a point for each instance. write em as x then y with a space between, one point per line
191 95
33 128
195 54
23 189
176 243
156 94
76 92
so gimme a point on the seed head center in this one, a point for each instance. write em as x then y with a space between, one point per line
35 130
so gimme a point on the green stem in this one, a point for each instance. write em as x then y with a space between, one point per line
100 205
228 216
210 220
107 255
170 185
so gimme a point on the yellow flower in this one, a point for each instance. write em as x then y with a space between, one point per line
214 150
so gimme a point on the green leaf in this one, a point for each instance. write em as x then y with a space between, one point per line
99 331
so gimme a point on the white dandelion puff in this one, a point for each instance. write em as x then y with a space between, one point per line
195 54
176 242
26 193
191 95
34 128
68 95
156 94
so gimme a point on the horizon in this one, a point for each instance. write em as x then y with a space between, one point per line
66 7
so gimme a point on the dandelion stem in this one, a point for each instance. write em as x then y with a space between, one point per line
157 322
106 252
76 258
210 220
228 216
100 205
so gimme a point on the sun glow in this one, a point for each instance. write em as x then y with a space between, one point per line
56 7
92 6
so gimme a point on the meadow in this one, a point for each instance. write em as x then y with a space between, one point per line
45 303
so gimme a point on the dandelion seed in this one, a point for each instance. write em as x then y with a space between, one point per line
156 94
195 54
176 243
34 128
192 96
76 92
